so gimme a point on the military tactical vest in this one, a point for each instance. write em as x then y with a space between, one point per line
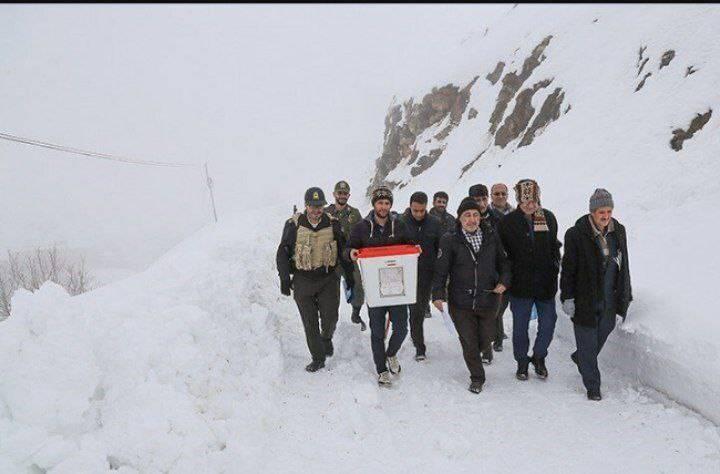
314 249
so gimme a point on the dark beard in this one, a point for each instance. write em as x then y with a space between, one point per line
341 201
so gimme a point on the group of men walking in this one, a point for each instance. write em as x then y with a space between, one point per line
491 256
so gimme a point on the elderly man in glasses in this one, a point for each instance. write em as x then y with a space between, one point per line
499 199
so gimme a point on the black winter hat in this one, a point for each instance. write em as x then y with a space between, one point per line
478 190
383 192
315 197
467 204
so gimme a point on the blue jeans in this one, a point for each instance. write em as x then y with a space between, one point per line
590 341
547 316
399 320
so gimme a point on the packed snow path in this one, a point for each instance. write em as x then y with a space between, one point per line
197 365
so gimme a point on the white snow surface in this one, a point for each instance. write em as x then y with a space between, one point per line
618 139
196 365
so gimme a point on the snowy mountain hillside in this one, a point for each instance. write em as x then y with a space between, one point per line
196 365
580 97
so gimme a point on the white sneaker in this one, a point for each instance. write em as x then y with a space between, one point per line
384 378
394 365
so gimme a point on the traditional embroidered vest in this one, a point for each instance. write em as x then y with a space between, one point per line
314 249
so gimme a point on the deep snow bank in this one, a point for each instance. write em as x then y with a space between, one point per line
149 374
609 133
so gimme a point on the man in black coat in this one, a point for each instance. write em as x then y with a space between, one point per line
311 247
474 260
595 284
380 228
529 235
424 230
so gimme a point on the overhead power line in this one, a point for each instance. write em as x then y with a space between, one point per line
92 154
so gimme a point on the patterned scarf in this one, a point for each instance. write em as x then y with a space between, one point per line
528 190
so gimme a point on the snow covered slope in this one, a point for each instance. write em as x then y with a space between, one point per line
196 365
589 96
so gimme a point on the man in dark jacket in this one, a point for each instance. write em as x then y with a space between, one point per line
424 230
312 245
499 203
474 260
439 210
595 284
529 235
348 217
479 192
380 228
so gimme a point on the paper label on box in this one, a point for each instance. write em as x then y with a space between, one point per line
392 281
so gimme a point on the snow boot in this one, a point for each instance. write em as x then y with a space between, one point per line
420 355
357 319
487 357
384 379
329 349
498 346
594 395
315 365
475 387
540 369
394 365
522 370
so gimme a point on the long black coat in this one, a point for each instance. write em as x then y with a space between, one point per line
472 275
426 234
535 261
582 276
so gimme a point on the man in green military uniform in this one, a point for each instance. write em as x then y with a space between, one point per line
307 260
348 217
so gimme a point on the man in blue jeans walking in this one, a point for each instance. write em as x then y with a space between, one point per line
382 227
529 235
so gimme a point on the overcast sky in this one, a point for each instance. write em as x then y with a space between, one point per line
275 98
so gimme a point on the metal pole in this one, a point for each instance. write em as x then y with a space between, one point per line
209 182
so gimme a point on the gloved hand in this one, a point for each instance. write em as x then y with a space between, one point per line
568 307
285 287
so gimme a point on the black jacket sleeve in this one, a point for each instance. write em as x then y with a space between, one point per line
626 291
355 241
442 268
285 250
346 264
557 243
502 262
568 275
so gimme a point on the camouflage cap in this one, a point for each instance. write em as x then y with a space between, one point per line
342 186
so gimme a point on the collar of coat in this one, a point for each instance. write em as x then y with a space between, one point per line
392 216
587 226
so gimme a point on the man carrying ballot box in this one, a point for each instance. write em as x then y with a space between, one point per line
475 261
381 227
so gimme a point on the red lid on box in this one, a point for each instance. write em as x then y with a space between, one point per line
388 251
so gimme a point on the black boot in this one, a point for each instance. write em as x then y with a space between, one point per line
487 357
498 346
315 365
475 387
522 370
329 349
540 369
594 395
357 319
420 354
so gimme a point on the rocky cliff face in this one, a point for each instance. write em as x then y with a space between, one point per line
416 131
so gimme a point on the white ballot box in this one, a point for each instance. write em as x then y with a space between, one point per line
389 274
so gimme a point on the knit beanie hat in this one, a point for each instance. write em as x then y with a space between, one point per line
478 190
527 190
382 192
467 204
601 198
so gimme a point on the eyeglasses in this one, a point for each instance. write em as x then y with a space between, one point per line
499 194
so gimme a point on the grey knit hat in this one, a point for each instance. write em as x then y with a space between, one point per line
601 198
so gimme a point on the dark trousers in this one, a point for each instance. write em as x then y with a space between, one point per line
417 315
399 320
318 301
499 323
547 316
358 298
590 342
475 329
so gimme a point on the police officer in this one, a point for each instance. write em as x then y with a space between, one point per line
348 217
310 249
